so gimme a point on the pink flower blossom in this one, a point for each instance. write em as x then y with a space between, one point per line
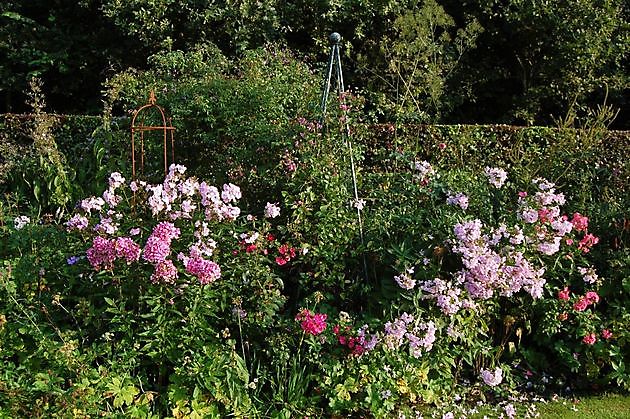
496 176
156 250
312 323
166 231
564 294
587 242
581 304
592 297
77 222
590 339
126 248
165 272
102 254
271 210
606 334
206 271
580 222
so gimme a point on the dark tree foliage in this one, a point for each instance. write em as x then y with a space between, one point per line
510 61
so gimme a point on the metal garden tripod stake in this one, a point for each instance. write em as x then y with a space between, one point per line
334 64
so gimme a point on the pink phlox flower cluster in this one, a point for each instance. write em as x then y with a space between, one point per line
549 248
468 231
607 334
116 180
590 339
92 203
156 249
359 344
588 274
128 249
419 344
205 270
102 254
230 193
562 226
405 281
591 297
188 187
492 378
176 169
311 323
425 172
165 272
496 176
485 270
106 226
529 215
166 231
459 199
159 201
77 222
110 198
446 296
564 294
272 210
395 331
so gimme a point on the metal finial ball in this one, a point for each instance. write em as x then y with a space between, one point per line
335 38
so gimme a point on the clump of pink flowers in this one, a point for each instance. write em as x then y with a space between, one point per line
311 323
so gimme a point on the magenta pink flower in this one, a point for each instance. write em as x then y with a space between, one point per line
580 222
587 242
592 297
166 231
156 250
581 304
164 272
564 294
102 254
590 339
126 248
606 334
206 271
312 323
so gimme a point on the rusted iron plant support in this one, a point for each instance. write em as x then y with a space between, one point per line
166 128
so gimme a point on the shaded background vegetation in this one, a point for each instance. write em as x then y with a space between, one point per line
515 62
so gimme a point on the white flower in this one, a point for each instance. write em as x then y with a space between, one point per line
21 221
358 204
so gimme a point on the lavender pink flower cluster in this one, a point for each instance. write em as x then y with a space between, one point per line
420 336
176 198
494 260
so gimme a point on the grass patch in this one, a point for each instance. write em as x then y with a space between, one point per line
606 406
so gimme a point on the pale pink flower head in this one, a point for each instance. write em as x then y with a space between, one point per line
496 176
77 222
492 378
116 180
230 193
272 210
